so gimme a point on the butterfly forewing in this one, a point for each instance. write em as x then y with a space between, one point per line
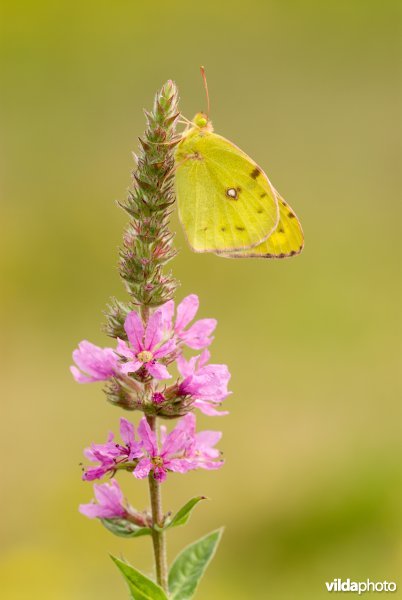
226 202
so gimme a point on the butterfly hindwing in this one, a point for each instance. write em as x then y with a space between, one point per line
287 239
226 202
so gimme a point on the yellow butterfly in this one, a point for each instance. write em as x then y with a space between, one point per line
227 204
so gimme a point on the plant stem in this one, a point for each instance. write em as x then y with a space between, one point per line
158 537
155 494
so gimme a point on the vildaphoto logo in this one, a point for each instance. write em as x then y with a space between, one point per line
337 585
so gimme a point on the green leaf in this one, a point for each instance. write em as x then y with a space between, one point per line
183 515
124 528
190 565
140 586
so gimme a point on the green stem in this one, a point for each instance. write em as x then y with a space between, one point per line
158 537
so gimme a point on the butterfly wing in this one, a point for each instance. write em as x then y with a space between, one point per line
287 239
226 202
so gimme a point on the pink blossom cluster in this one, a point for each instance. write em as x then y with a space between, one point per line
146 357
149 351
181 450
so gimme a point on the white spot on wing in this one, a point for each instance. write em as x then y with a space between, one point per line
232 193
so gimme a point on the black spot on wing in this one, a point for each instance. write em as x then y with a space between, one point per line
263 195
223 228
260 210
255 172
281 230
240 228
291 215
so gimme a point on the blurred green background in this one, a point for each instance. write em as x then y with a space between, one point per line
312 90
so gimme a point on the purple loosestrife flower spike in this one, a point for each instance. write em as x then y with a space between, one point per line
110 502
146 347
100 364
149 339
198 335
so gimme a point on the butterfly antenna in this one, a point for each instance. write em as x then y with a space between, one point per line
204 78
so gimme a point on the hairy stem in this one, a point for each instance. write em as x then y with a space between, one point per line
158 537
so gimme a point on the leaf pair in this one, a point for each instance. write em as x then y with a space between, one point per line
184 576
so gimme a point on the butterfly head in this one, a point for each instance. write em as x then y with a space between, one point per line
202 122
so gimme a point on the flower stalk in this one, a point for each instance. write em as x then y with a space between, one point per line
158 535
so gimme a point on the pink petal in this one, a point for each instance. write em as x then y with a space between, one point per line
126 432
206 440
154 332
162 434
179 465
110 502
135 330
80 377
167 311
207 409
143 468
165 349
108 493
131 366
97 472
210 465
97 363
186 312
187 424
175 442
123 349
90 510
157 370
204 358
186 367
147 437
197 336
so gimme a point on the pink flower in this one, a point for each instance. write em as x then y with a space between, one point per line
170 457
110 502
204 455
206 383
146 346
110 454
181 450
99 363
198 335
201 453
